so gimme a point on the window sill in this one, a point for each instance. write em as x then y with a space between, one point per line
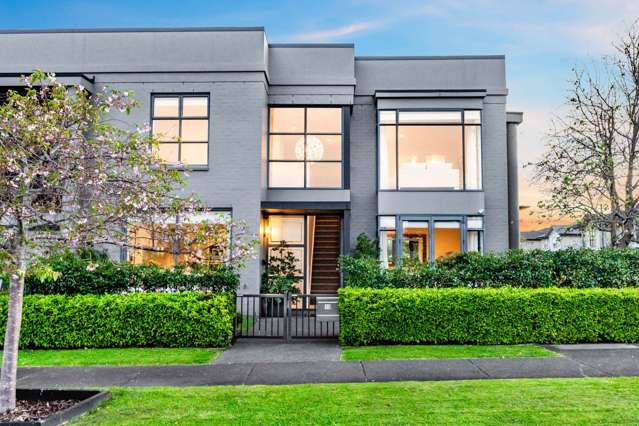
190 168
430 190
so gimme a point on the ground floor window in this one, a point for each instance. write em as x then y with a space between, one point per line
180 240
427 238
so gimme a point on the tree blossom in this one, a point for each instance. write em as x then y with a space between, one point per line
70 178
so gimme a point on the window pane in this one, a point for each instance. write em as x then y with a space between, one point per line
472 117
150 247
166 107
286 175
387 222
298 252
323 147
388 157
287 120
166 130
286 147
476 222
324 175
195 153
195 130
387 248
472 135
473 241
415 241
168 152
447 239
195 107
387 117
286 228
427 117
324 120
430 157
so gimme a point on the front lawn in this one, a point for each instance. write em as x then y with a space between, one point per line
545 401
373 353
115 356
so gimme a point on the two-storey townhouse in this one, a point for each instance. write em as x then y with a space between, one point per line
309 143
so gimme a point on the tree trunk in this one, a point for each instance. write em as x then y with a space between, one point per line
8 377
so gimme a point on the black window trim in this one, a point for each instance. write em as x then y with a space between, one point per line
344 161
179 118
463 126
462 219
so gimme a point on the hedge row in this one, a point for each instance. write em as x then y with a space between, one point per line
140 319
490 316
573 268
83 275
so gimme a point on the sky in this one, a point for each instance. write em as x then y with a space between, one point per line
543 40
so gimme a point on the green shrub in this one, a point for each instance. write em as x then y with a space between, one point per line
140 319
87 274
490 316
574 268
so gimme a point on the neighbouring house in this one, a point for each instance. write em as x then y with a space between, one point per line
558 237
309 143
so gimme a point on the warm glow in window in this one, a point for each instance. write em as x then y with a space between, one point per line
181 124
430 150
305 147
180 242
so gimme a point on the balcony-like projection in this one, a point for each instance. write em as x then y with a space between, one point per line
436 150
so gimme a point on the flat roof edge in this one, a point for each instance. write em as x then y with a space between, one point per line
313 45
128 30
427 58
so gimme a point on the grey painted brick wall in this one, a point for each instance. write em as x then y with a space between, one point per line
363 168
234 179
495 173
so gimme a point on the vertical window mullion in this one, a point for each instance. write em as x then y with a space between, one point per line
463 141
180 128
305 139
397 150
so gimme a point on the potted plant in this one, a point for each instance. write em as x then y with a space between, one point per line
279 278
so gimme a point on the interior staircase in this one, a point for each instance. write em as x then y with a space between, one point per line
326 251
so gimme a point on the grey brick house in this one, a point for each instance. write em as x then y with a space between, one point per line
308 143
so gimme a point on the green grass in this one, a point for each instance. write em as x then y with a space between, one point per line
372 353
487 402
117 356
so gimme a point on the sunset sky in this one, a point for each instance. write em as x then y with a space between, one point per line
542 40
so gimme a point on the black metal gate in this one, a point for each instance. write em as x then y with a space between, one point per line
287 316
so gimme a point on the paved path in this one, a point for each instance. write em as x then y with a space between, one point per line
269 351
587 361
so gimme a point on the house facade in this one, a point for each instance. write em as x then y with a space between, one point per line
559 237
310 144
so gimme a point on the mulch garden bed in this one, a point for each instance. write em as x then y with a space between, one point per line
49 407
36 411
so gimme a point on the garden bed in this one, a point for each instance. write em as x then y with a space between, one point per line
51 407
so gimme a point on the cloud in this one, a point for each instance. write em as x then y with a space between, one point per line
338 32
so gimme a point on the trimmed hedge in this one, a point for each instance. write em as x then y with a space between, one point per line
573 268
140 319
489 316
82 275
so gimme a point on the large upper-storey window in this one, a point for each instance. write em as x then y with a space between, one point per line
430 150
181 124
305 147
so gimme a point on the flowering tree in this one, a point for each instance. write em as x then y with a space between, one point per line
69 178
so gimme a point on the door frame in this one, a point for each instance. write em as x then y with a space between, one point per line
343 242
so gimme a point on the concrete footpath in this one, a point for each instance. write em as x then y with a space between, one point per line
249 363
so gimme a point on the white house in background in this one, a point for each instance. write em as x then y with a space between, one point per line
559 237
